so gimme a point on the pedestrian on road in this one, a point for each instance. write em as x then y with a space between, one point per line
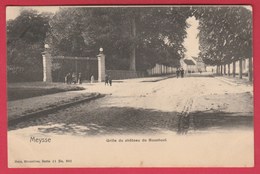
110 80
68 78
177 72
74 78
79 79
182 72
92 79
106 79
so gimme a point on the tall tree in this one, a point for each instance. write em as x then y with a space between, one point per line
131 37
163 30
25 40
225 34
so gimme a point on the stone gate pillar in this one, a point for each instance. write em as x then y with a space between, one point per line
47 65
101 66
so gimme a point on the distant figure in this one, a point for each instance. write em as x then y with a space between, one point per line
182 72
79 79
177 72
74 78
68 78
106 80
110 80
92 79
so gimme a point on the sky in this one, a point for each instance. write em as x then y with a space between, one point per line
191 43
13 12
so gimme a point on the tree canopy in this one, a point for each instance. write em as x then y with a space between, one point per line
150 35
225 33
134 38
25 39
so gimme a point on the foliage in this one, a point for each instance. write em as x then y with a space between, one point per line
225 33
130 36
148 31
25 40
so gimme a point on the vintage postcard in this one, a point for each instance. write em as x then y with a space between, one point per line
130 86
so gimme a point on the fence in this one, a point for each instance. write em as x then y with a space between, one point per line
61 67
160 70
124 74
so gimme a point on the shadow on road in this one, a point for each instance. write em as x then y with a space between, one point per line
105 120
126 120
208 121
222 120
199 75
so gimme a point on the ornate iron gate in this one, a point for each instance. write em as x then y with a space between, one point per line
61 66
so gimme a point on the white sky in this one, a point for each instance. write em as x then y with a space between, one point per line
13 12
191 43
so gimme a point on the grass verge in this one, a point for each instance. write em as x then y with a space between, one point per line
18 91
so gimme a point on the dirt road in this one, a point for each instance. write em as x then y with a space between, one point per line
214 116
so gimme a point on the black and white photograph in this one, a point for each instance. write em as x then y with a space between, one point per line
130 86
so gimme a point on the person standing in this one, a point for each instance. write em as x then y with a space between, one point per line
182 72
74 78
106 80
67 78
92 79
110 80
79 79
177 72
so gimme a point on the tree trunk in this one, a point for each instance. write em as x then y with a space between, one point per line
221 70
228 69
225 72
240 69
250 69
234 68
76 66
132 60
132 56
